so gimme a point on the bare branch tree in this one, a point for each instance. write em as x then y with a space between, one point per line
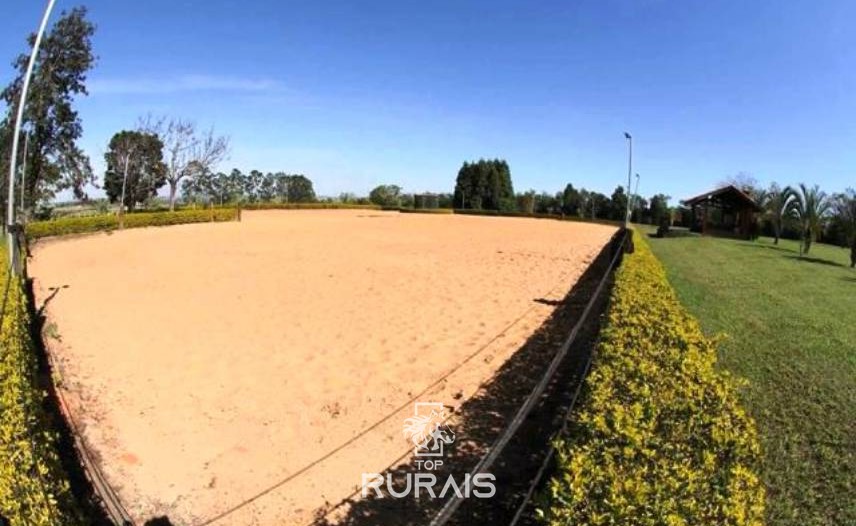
187 152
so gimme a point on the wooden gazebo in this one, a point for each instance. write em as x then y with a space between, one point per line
725 211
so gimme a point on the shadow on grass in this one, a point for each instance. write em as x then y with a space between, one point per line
777 248
819 261
673 234
482 419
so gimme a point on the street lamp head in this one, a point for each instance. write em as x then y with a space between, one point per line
627 135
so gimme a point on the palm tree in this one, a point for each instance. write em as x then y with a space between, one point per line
777 204
845 214
810 207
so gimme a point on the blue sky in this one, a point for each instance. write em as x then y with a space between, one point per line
355 94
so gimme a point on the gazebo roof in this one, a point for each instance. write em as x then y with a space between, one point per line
727 194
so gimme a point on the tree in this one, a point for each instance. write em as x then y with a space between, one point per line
571 201
548 203
639 208
844 205
54 161
386 195
135 168
299 189
267 188
485 184
195 190
188 152
777 205
659 209
618 204
526 202
253 186
810 206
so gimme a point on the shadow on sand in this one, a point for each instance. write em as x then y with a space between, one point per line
482 419
81 487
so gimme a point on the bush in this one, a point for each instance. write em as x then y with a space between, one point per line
34 489
79 225
309 206
659 437
535 215
426 201
426 210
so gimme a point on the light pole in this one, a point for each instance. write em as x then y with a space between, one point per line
16 134
629 172
636 194
24 176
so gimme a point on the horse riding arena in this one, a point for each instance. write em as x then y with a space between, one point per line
249 373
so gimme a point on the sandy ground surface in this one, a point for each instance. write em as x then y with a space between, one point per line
210 363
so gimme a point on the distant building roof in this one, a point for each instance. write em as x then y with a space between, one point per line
728 193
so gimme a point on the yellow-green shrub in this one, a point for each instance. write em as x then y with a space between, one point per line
535 215
79 225
308 206
34 490
426 210
660 437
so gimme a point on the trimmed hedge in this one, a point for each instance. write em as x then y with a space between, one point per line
660 437
535 215
426 210
79 225
34 489
307 206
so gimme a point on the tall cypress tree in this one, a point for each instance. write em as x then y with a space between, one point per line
484 184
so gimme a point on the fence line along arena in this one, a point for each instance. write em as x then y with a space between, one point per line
207 363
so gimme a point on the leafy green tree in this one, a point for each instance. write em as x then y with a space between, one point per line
810 207
548 204
658 209
571 201
484 184
386 195
267 188
54 160
526 202
299 189
235 186
135 168
347 197
601 205
844 205
639 212
618 204
252 186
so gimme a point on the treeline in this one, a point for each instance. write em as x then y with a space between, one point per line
487 185
252 187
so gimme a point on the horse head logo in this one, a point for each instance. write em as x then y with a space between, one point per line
427 430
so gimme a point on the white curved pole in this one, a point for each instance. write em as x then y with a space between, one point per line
13 161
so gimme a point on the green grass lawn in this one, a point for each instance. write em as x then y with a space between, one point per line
789 325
